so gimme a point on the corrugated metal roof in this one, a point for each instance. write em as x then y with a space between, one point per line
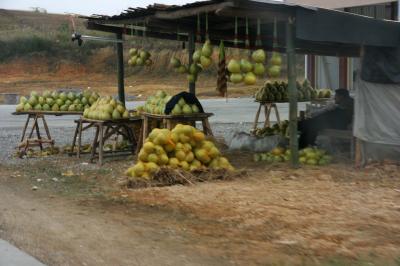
336 4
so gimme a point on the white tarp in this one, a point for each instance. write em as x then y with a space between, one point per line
377 113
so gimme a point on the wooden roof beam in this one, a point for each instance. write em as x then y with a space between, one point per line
149 33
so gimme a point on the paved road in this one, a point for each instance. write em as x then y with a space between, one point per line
231 111
11 256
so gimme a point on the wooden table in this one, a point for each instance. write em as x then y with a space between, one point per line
268 107
36 116
104 131
169 121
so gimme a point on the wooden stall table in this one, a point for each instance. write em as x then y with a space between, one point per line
169 121
36 116
104 131
268 107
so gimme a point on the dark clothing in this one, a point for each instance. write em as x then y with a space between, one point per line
340 118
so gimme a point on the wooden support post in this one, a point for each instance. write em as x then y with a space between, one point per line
101 143
291 65
191 47
25 127
78 154
120 68
257 117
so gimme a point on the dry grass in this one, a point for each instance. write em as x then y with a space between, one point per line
169 177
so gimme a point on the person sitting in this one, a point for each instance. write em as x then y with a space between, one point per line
338 116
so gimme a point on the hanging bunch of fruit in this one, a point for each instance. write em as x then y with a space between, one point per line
183 147
139 57
106 108
278 92
155 104
246 71
277 129
309 156
274 70
201 60
57 102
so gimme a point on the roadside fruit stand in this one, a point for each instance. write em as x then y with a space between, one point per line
27 140
253 25
107 129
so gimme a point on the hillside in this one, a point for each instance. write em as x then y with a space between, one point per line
37 53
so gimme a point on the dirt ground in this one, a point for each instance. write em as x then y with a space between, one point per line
268 215
18 77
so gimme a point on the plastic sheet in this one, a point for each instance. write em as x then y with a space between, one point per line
376 120
245 141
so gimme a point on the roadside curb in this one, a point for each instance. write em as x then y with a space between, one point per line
12 256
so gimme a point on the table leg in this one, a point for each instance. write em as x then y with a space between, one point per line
78 152
25 127
278 118
207 127
38 135
268 109
33 127
101 143
75 136
46 128
257 117
94 145
145 128
168 123
139 142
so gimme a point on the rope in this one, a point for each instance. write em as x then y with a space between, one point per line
247 41
258 41
198 36
275 41
236 32
207 36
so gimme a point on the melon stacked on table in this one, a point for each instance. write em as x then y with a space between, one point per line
156 104
183 147
106 108
57 102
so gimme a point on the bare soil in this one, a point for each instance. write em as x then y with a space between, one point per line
272 215
23 76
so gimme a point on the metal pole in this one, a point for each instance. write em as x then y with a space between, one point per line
120 70
291 70
306 67
191 47
398 10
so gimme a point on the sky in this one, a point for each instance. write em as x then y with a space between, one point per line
85 7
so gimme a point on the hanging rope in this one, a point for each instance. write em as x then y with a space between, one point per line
275 40
258 40
236 32
222 80
144 30
198 34
207 36
247 41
